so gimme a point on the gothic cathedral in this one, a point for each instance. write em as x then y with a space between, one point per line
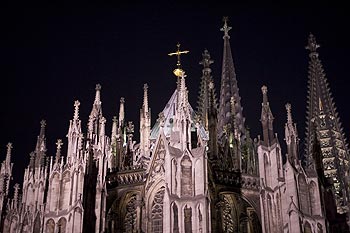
192 171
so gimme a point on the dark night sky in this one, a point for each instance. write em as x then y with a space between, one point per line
51 56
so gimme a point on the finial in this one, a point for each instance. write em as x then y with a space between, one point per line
97 97
122 100
289 113
178 71
145 97
130 127
312 45
225 28
264 92
76 109
59 144
58 153
98 87
43 123
115 119
9 147
161 119
206 59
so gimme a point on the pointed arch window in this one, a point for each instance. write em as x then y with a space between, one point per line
50 226
188 219
130 216
157 212
62 223
303 194
186 176
37 224
176 220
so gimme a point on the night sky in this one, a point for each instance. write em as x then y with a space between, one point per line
52 56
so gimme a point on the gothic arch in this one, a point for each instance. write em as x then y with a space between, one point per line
307 227
156 211
37 223
25 226
54 188
62 225
199 177
50 226
313 197
238 214
65 190
77 227
13 225
303 194
175 217
186 176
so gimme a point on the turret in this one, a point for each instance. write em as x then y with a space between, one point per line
267 120
145 123
291 137
74 134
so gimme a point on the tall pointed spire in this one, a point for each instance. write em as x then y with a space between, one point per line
145 122
74 133
291 137
121 112
40 148
323 117
58 152
8 154
206 90
96 109
229 88
267 119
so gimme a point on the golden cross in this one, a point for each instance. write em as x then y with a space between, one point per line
178 53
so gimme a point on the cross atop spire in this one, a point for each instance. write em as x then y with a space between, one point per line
225 28
312 45
178 71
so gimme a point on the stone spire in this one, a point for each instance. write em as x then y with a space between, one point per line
40 148
323 117
8 154
76 110
74 133
291 137
96 109
229 88
267 119
121 112
145 122
205 90
96 113
58 152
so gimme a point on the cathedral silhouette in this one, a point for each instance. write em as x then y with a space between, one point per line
194 170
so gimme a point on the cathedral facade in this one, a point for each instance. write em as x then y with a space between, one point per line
192 171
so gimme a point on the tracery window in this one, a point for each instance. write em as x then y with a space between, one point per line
188 219
130 216
186 176
157 212
50 226
303 194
